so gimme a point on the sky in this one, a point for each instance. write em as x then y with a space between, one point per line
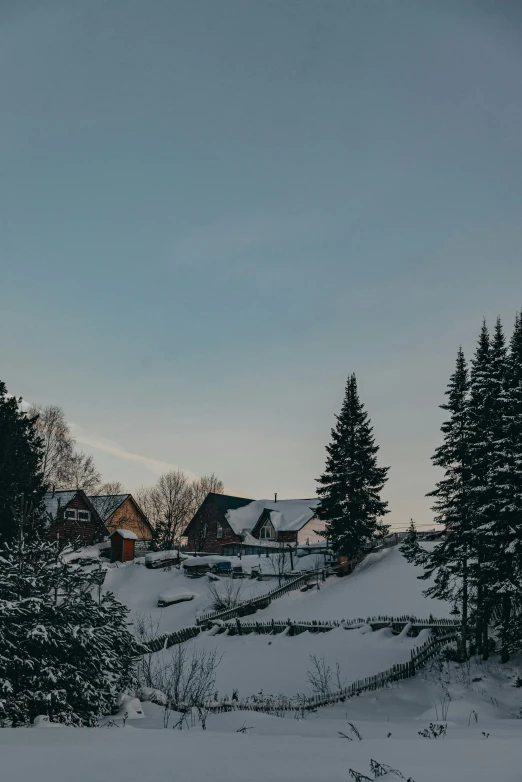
211 213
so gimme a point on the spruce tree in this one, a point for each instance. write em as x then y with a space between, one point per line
410 548
20 452
449 560
481 403
62 652
350 488
505 491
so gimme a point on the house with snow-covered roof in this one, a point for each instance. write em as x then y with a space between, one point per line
223 520
121 511
71 515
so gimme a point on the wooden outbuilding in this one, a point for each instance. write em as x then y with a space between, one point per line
123 542
121 511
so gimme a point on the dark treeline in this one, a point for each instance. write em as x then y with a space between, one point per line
477 564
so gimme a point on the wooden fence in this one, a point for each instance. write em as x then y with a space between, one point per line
419 657
291 628
251 606
172 639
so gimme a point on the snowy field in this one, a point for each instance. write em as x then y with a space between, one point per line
279 664
383 584
479 703
268 753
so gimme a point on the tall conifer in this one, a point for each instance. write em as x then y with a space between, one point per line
449 560
20 449
351 485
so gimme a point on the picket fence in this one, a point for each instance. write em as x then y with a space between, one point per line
419 657
171 639
387 621
291 628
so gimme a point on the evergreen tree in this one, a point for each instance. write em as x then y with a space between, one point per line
62 652
482 400
505 488
410 548
20 453
449 560
350 487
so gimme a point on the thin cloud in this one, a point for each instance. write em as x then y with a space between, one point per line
109 446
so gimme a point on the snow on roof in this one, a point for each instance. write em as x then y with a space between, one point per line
125 533
106 504
285 515
57 499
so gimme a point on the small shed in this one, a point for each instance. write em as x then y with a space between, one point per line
122 545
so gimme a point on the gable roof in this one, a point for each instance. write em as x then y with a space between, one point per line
285 515
126 534
106 504
225 503
53 500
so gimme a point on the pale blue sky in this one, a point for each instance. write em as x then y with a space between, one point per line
212 212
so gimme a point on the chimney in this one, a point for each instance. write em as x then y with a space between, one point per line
275 497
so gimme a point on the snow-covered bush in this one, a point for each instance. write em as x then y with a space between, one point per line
63 653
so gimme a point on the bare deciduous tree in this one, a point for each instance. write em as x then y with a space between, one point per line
225 593
280 564
82 473
58 444
172 501
111 488
187 681
320 677
203 486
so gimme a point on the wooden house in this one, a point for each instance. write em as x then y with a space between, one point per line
223 520
71 516
121 511
123 543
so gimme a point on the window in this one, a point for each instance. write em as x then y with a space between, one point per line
219 531
267 531
70 514
84 515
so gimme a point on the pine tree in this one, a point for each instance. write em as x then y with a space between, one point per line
20 452
482 398
410 548
505 491
62 653
350 487
448 561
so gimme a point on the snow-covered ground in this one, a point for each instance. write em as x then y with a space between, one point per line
384 583
480 703
274 750
138 588
279 664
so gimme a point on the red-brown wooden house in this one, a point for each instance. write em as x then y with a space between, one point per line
71 516
223 519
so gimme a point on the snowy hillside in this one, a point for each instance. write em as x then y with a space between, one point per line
384 583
